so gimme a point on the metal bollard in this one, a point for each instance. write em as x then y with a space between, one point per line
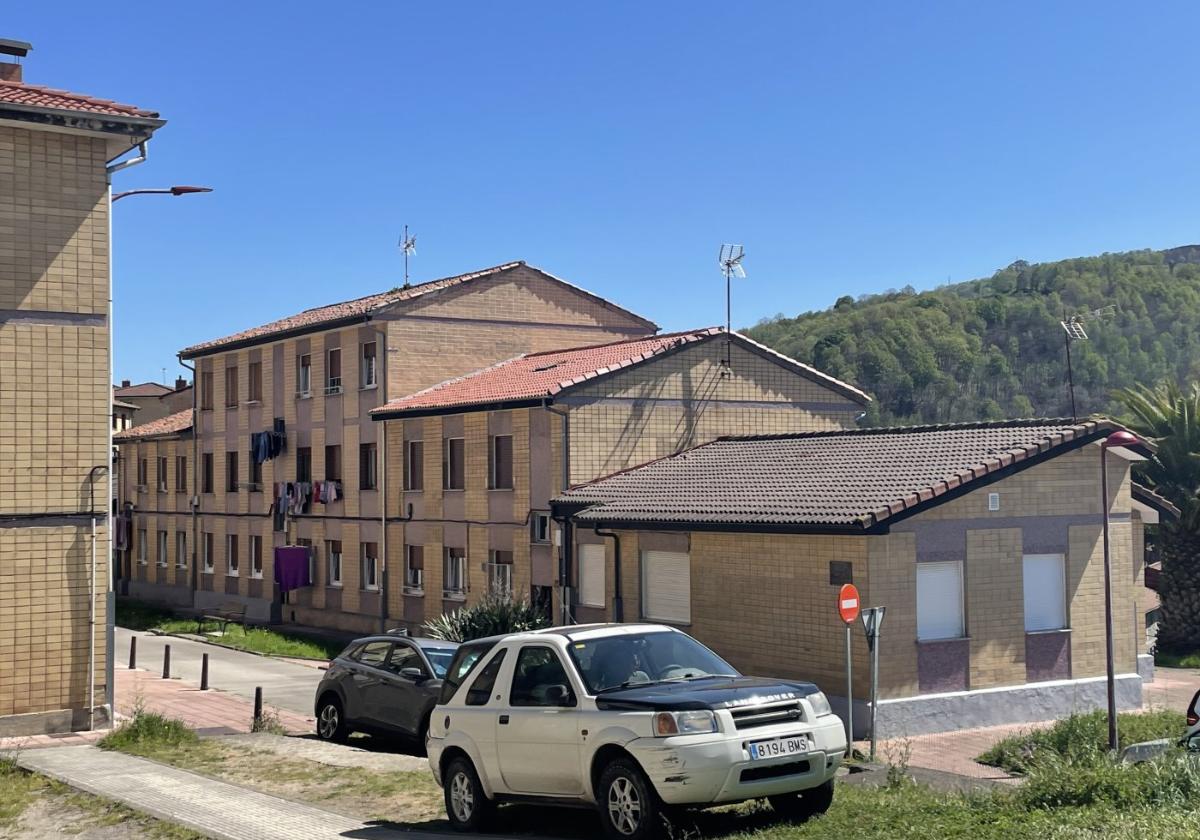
257 706
204 673
132 652
167 662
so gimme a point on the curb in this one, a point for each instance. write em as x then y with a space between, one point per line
192 637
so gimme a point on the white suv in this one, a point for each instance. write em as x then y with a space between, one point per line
629 718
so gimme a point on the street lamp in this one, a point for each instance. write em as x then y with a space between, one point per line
177 190
1120 439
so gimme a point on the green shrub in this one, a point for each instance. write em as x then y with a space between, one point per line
1058 782
493 616
1080 739
148 729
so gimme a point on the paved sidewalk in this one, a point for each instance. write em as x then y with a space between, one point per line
212 710
213 808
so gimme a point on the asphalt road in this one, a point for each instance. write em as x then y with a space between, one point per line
284 684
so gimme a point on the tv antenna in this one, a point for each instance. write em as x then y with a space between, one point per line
730 261
408 247
1073 327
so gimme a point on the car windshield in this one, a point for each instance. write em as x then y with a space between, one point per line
658 656
439 659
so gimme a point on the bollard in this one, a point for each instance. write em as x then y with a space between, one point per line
132 652
257 707
167 662
204 673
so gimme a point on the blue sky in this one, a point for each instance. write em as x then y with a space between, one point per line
851 147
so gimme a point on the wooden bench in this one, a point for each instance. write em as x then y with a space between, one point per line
224 615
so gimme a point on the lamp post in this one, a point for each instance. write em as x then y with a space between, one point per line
177 190
1119 438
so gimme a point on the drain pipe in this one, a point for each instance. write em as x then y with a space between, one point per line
381 477
194 499
92 595
564 570
618 601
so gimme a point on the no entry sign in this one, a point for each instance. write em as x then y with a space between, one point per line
848 603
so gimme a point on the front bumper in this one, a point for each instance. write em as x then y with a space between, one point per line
702 770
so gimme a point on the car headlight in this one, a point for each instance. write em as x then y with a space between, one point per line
819 703
684 723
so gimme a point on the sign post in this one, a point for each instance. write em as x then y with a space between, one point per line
872 619
848 602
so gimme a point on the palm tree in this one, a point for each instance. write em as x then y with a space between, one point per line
1170 417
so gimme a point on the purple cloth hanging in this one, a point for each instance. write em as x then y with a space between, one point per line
291 567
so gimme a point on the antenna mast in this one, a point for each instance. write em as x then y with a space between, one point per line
730 261
1073 327
408 247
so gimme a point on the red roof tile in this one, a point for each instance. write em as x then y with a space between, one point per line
539 376
143 389
36 96
361 307
851 480
172 424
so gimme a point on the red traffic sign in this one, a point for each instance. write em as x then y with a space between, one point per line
848 603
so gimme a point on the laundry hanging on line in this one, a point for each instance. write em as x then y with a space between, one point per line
292 567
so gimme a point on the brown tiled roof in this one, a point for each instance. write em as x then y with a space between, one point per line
36 96
360 308
142 389
120 404
172 424
824 481
542 376
1163 505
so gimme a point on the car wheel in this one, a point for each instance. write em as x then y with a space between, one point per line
629 807
805 804
467 806
331 723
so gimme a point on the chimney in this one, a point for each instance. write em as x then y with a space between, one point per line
11 71
180 383
124 383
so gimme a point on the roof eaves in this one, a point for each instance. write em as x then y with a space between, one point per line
608 304
821 378
197 351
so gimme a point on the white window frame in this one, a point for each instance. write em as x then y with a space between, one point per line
593 574
657 612
206 549
304 375
161 478
333 384
369 563
233 563
454 561
414 579
161 559
540 523
181 555
1045 601
500 575
256 557
333 564
142 557
369 377
933 627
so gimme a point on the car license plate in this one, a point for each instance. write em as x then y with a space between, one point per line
778 747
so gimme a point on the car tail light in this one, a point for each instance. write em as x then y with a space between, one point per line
1193 715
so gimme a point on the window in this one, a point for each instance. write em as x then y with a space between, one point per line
939 601
231 472
1045 592
141 539
414 569
667 586
256 561
414 465
404 656
333 371
206 389
454 573
367 368
303 375
254 382
367 467
208 553
539 528
162 549
162 474
500 573
333 549
181 485
181 555
231 387
591 575
453 464
500 462
304 463
255 473
207 479
374 654
538 670
142 470
481 690
232 561
369 558
333 463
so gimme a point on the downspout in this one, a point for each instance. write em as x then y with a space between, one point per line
92 591
564 567
194 500
110 599
381 474
618 601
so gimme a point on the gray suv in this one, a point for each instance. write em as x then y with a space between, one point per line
385 685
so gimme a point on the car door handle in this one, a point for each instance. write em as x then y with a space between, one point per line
503 720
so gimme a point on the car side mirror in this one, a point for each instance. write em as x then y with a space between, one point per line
414 674
559 695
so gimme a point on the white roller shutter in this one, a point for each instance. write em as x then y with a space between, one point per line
1045 592
667 586
939 601
591 575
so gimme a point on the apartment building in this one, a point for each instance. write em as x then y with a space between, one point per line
56 403
154 400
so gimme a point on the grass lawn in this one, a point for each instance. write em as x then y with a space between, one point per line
135 616
1177 660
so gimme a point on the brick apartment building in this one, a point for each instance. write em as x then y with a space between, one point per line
55 398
